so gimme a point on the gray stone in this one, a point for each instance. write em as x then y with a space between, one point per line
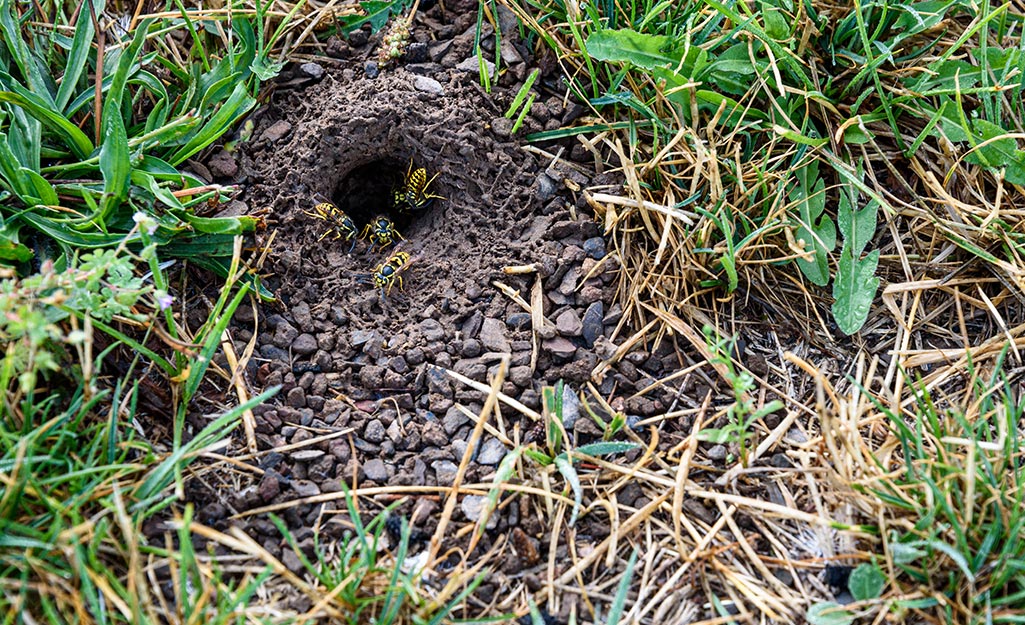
568 323
375 471
223 165
492 335
446 472
432 330
545 187
520 376
474 506
306 455
277 131
284 334
313 70
502 127
371 69
716 453
359 337
304 344
518 321
472 66
560 346
305 488
296 397
428 85
453 420
570 407
374 431
595 248
592 323
491 452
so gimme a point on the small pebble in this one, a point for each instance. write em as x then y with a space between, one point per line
428 85
502 127
491 452
313 70
568 323
416 52
518 321
591 327
304 345
371 69
375 471
595 248
492 335
375 431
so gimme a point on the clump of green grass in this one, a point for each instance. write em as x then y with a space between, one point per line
79 482
744 126
97 122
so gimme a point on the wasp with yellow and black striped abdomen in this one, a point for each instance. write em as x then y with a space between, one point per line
413 193
338 223
382 232
388 273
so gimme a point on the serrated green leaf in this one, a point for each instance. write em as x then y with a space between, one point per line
816 230
905 553
376 14
855 289
828 613
629 46
866 582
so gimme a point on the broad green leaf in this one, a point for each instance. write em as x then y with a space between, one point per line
265 69
217 225
41 188
1015 171
72 136
231 111
866 582
78 56
115 163
998 152
828 613
629 46
11 250
906 553
857 226
775 22
854 289
22 55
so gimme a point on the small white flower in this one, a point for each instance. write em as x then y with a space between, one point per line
145 222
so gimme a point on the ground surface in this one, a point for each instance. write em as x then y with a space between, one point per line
371 369
365 396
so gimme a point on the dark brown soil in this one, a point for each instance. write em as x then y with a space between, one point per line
347 357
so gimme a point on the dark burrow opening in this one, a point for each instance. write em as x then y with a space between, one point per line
368 191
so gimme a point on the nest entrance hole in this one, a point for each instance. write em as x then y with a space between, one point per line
366 191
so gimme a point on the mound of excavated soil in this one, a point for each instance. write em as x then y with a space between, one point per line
371 368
